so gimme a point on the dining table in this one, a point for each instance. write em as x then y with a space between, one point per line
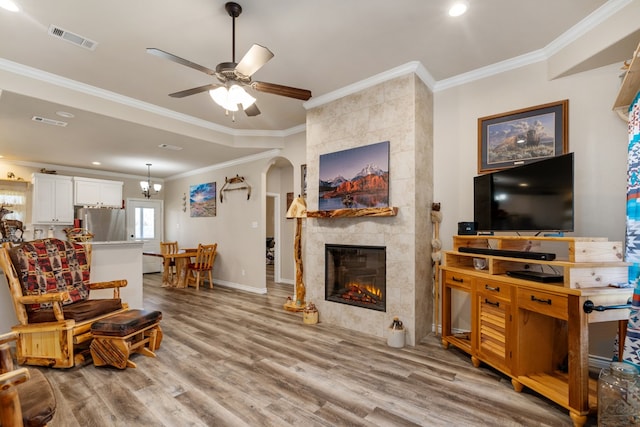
181 260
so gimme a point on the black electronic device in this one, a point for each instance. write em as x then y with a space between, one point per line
537 276
467 228
544 256
537 196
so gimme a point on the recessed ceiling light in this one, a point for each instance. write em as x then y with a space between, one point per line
458 8
65 114
9 5
96 163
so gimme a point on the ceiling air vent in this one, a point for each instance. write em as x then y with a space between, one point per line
72 37
170 147
49 121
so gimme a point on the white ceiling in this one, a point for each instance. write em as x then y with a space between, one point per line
118 92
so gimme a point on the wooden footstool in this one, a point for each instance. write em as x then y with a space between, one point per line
117 337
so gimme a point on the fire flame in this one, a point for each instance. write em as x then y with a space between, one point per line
373 290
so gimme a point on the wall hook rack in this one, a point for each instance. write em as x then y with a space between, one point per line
235 183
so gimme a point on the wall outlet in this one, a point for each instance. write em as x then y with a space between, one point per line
243 272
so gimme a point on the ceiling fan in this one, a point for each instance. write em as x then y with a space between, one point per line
232 75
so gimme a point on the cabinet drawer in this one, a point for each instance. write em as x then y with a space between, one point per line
493 289
458 280
544 303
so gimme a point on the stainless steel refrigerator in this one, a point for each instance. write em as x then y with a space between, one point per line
106 225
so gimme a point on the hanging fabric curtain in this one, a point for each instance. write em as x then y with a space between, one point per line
632 342
13 197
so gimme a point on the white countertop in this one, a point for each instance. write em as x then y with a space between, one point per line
118 242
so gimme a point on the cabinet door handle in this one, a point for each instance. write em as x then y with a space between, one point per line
455 279
491 288
495 304
542 301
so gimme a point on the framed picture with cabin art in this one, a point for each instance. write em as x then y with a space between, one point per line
522 136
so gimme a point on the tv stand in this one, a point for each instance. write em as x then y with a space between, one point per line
526 329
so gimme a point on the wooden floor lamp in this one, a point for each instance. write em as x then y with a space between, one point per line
297 210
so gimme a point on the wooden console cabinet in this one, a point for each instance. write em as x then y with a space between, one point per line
536 333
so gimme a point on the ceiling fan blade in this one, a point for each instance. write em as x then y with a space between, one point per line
193 91
276 89
253 60
181 61
252 110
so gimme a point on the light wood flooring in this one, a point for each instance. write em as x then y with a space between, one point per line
231 358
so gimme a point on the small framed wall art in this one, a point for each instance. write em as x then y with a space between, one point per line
522 136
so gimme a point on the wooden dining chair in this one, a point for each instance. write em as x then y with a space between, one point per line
202 263
169 264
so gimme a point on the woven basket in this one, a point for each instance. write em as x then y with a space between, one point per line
78 235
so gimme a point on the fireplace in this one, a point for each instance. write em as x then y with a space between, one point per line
356 275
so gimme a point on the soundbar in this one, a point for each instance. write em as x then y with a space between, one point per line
544 256
537 276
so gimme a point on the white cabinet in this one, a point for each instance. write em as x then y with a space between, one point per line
97 192
52 199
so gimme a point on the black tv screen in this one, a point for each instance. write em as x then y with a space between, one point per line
537 196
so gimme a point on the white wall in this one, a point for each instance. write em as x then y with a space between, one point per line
597 136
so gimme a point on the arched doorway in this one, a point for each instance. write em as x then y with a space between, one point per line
278 229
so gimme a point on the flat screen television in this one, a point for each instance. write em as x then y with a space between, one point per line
537 197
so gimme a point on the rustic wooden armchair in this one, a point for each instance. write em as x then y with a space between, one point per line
203 263
49 284
26 396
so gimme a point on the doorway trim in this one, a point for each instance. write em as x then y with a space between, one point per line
149 264
277 274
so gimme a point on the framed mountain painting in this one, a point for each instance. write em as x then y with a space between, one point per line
355 178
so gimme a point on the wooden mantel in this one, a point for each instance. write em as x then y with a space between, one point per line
630 86
352 213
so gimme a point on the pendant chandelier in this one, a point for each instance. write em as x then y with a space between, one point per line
149 188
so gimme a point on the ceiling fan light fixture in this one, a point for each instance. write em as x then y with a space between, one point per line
229 99
237 95
221 97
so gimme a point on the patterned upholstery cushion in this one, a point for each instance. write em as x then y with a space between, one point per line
52 265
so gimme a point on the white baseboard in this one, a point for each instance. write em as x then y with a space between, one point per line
232 285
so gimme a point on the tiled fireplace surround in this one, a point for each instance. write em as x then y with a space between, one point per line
399 111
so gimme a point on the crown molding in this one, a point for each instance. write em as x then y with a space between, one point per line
63 82
414 67
235 162
74 170
597 17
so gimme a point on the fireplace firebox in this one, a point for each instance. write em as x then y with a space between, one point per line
356 275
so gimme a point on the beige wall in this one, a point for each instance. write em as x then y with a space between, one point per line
597 136
239 227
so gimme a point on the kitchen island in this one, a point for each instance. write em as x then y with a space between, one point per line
115 261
